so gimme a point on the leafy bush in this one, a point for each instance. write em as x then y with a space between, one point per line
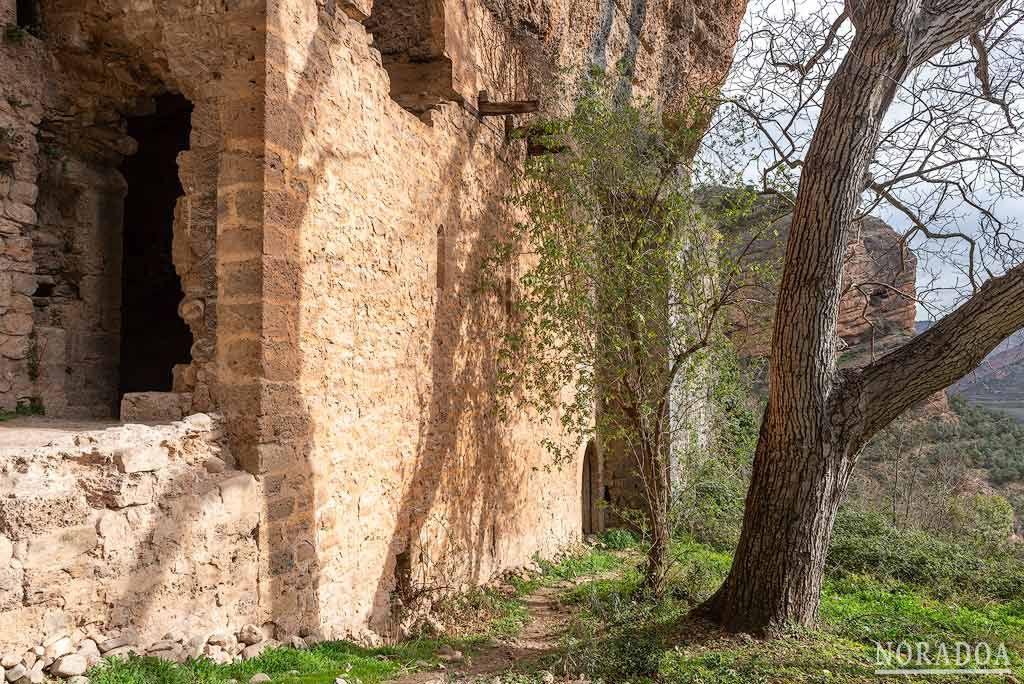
985 518
865 544
710 507
618 539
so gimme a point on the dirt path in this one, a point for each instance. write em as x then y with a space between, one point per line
540 636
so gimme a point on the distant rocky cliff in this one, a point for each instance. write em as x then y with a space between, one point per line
877 307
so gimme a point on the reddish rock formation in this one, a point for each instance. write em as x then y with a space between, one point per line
877 310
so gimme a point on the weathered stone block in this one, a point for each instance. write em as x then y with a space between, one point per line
61 548
239 493
135 491
11 590
154 407
24 515
141 459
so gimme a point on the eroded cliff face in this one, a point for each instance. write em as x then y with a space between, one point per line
877 305
877 309
336 192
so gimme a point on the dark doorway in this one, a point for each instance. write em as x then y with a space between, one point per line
153 336
28 14
590 487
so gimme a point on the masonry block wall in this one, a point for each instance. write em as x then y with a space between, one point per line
328 240
125 531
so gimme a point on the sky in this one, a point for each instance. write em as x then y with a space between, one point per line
797 28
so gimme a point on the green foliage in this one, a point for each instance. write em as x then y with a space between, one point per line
617 275
993 440
869 609
988 439
986 519
803 658
617 539
321 664
865 543
620 635
620 283
710 495
569 568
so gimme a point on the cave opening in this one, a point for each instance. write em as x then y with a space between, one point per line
27 13
409 34
154 338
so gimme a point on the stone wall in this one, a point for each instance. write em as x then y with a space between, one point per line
378 221
64 101
124 530
328 243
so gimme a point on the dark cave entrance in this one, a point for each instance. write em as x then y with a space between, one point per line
154 338
27 14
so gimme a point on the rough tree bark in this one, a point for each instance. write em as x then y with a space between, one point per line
817 418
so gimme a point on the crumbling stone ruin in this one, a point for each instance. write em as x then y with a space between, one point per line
255 226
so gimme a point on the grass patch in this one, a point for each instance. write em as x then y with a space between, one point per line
868 609
573 566
621 636
321 664
796 658
484 613
865 544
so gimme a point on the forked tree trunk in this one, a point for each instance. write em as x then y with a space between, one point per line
817 418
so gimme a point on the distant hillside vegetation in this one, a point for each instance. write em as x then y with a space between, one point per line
920 471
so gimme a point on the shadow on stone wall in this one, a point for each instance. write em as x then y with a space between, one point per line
465 479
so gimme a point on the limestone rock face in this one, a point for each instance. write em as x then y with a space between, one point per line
876 273
877 312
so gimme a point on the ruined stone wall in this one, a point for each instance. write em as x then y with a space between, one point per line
328 242
125 530
64 99
394 473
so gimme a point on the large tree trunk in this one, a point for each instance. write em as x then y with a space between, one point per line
817 418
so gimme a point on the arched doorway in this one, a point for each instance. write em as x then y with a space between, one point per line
590 490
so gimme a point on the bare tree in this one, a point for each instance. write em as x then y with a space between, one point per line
910 103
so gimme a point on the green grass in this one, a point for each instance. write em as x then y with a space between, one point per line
621 636
571 567
795 658
321 664
867 609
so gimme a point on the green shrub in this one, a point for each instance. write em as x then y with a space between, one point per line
865 544
618 539
986 519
